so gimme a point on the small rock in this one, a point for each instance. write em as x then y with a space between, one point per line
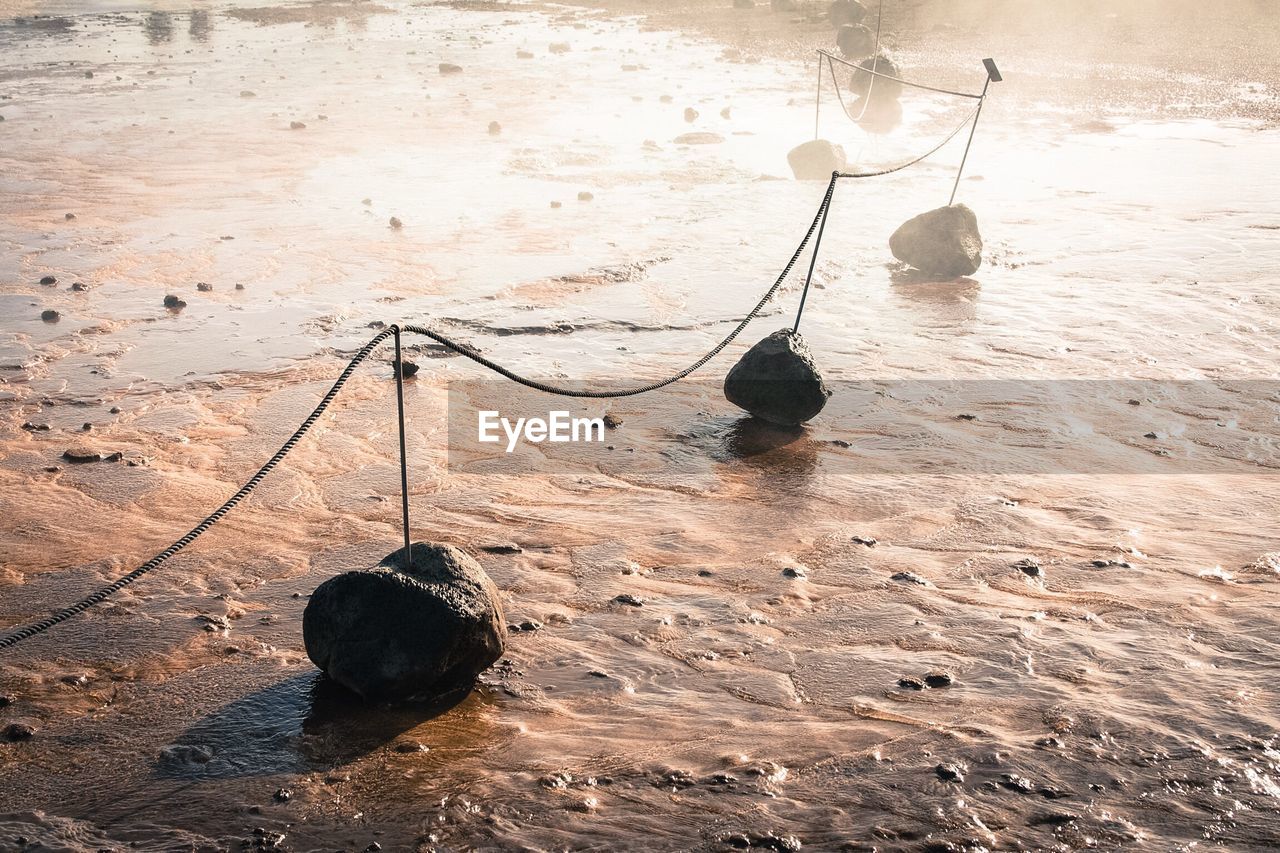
530 625
115 410
239 286
585 196
81 455
559 47
30 427
450 68
408 368
909 577
88 75
494 128
7 699
48 280
629 600
70 217
726 113
523 54
86 426
297 125
949 773
796 572
612 421
938 679
204 286
555 204
1029 566
246 93
869 541
173 302
502 548
395 223
282 795
1014 782
909 683
50 316
79 287
690 114
15 732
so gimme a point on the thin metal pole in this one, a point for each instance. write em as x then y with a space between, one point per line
817 101
813 261
404 465
972 129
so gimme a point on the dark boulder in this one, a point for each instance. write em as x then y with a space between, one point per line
855 41
943 243
777 381
862 83
816 160
393 632
846 12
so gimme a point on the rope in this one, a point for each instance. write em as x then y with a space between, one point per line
830 56
217 515
875 63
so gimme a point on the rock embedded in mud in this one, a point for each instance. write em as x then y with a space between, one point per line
942 243
50 316
48 280
816 159
81 455
846 12
397 632
777 381
171 301
15 732
949 773
855 41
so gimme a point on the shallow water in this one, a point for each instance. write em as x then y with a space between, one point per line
1131 247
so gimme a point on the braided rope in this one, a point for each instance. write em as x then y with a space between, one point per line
217 515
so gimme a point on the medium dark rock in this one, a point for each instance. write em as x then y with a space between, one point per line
612 421
15 732
394 632
50 316
816 160
405 367
48 280
174 302
944 242
1029 566
863 83
81 455
846 12
777 381
855 41
204 286
949 773
938 679
629 600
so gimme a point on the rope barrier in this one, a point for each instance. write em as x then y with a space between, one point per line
396 331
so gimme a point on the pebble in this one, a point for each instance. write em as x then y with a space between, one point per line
523 54
629 600
909 577
949 773
282 795
173 302
395 223
555 204
50 316
725 113
450 68
297 125
15 732
494 128
1029 566
869 541
79 287
938 679
47 280
690 114
408 367
246 93
585 196
612 421
795 572
911 683
559 47
69 216
502 548
204 286
115 410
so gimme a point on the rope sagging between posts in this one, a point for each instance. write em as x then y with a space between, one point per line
396 331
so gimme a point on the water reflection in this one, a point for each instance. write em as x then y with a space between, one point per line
200 26
159 27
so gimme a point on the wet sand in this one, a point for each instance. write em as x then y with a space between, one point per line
770 690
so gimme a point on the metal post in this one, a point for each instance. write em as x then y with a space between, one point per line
813 261
817 101
404 464
993 74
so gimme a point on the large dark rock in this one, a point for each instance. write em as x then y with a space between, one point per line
816 160
944 243
855 41
776 380
847 12
391 632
